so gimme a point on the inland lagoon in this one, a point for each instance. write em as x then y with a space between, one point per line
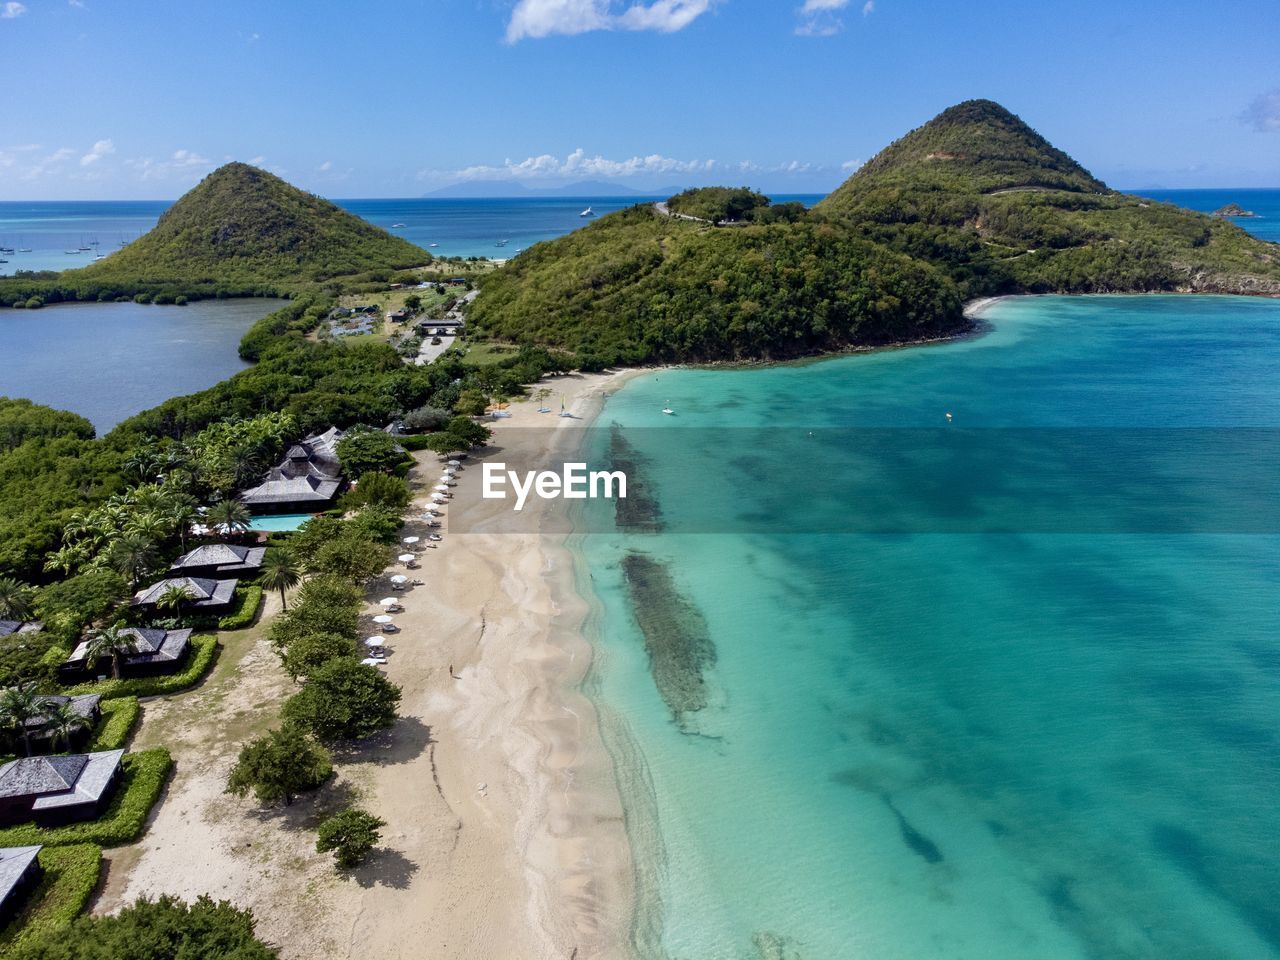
108 361
879 718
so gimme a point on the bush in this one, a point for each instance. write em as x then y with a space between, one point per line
70 876
377 489
344 700
364 450
122 822
164 929
35 303
248 600
350 834
425 420
279 766
200 659
311 651
414 443
118 719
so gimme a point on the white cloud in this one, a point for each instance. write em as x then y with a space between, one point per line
97 152
181 165
542 18
577 165
258 161
12 10
1264 113
326 166
78 4
850 165
821 18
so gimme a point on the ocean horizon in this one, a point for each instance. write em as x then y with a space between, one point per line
498 228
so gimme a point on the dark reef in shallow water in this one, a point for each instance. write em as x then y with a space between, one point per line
675 634
913 838
638 511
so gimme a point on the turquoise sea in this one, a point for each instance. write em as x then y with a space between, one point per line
1056 742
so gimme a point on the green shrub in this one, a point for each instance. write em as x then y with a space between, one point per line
200 659
70 876
248 600
414 442
350 834
34 303
118 719
122 822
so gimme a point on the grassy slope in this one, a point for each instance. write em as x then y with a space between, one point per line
979 192
242 230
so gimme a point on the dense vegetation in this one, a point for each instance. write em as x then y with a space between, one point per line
163 929
973 203
638 287
240 232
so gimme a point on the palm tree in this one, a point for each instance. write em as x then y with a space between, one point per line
64 723
230 516
279 573
180 513
152 524
15 600
110 642
20 704
173 598
133 554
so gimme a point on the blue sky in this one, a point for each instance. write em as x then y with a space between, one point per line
107 99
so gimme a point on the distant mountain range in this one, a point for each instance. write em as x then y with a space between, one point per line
503 189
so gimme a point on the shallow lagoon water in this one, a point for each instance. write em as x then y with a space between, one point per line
954 745
108 361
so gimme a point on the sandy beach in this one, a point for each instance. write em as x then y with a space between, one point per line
504 834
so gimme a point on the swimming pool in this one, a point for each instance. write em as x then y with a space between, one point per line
279 523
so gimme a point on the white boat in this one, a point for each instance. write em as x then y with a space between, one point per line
394 225
587 213
668 411
435 244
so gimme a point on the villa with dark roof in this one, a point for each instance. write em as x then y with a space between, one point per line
217 560
203 593
57 790
19 874
156 651
307 479
40 733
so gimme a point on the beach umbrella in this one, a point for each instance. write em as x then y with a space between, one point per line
399 578
371 662
437 497
382 618
389 602
442 487
407 558
374 642
410 539
455 463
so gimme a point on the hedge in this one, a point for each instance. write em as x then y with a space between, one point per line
118 719
248 602
139 789
204 650
70 876
413 442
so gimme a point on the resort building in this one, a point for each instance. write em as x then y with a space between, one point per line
57 790
19 874
306 480
156 651
41 736
203 593
218 560
9 627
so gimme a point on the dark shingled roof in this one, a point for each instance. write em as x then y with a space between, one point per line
202 591
151 645
225 557
60 781
14 863
9 627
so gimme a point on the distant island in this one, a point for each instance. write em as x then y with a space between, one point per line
506 189
974 203
1233 210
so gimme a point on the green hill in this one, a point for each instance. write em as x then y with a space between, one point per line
244 224
637 286
241 230
982 195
